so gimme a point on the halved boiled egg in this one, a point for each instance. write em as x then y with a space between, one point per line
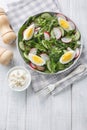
64 24
28 33
67 57
37 60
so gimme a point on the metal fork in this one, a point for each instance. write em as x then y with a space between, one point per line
50 88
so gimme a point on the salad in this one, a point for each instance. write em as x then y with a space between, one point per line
49 42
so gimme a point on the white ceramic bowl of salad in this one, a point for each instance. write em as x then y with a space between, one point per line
49 43
18 78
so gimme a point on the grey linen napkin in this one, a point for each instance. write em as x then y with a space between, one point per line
18 13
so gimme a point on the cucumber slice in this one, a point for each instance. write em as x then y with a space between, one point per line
21 45
26 56
52 34
48 66
62 31
51 65
46 15
77 36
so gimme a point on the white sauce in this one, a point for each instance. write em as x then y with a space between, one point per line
18 78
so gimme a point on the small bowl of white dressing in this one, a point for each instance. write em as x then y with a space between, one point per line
18 78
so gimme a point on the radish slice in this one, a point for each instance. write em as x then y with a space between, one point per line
77 52
77 35
46 35
60 16
72 25
41 68
33 51
57 33
32 65
66 39
44 56
36 30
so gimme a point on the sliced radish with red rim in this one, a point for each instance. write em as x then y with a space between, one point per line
46 35
44 56
33 51
77 51
36 30
66 39
32 66
57 32
72 25
61 16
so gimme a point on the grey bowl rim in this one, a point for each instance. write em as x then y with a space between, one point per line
62 71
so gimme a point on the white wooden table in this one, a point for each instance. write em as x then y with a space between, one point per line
67 111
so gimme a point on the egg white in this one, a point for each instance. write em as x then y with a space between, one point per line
66 53
30 28
31 58
67 29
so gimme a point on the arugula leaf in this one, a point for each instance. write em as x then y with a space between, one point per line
55 54
60 66
40 47
51 66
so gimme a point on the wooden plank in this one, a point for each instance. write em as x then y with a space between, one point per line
49 114
79 106
16 111
65 7
79 90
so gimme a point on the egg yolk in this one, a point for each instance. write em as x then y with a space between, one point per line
66 57
64 23
29 32
37 59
